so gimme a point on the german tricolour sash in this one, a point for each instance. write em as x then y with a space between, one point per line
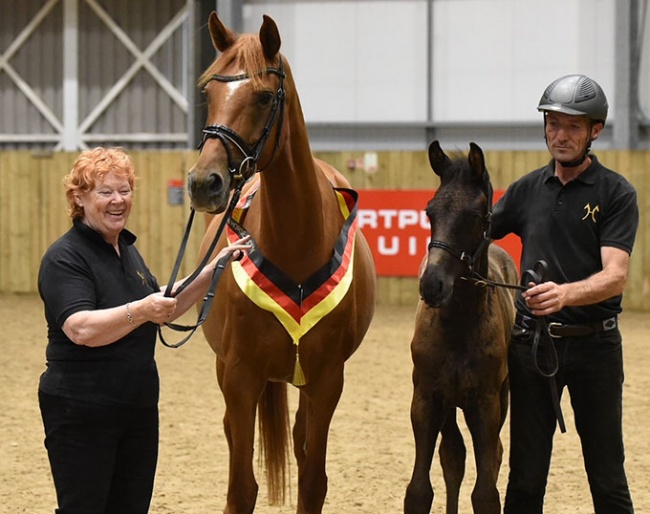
298 307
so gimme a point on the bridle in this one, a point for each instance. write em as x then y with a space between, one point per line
229 138
239 175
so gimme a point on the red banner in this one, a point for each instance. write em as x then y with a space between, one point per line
398 231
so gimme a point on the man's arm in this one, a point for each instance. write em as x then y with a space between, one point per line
549 297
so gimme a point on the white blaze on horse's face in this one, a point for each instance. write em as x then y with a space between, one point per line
231 89
234 86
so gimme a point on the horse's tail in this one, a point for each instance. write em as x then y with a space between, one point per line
274 436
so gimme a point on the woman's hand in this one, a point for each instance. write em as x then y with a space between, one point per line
235 249
156 307
196 289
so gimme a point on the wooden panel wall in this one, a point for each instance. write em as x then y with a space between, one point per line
33 213
33 208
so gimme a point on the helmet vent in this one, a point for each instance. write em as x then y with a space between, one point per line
585 91
575 95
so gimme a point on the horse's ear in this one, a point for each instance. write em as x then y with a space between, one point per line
477 161
269 37
222 36
438 159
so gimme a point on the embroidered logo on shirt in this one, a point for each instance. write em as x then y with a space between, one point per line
591 212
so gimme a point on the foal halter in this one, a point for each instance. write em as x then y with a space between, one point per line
229 138
470 259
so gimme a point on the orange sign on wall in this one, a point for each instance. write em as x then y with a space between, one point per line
398 230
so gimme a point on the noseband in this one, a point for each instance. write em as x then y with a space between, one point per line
228 137
470 259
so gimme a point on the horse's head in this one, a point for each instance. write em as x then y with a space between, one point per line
459 214
244 88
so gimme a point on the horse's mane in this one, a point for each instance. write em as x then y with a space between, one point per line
247 52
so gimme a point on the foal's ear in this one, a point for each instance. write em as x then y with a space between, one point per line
269 37
222 36
476 161
438 159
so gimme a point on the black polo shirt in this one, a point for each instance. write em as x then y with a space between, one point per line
79 272
566 226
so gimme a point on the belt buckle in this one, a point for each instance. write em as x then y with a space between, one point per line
551 326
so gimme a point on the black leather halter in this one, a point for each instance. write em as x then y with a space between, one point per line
229 138
468 258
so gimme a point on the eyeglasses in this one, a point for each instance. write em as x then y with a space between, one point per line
108 193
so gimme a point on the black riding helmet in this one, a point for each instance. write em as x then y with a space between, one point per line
576 95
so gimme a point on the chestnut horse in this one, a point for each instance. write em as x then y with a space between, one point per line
460 344
299 304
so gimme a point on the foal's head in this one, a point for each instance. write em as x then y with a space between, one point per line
459 214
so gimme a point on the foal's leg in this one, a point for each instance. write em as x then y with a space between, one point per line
426 420
484 423
452 458
241 391
318 401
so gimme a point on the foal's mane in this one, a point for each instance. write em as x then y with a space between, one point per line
247 52
460 166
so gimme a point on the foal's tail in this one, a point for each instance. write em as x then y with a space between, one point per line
274 434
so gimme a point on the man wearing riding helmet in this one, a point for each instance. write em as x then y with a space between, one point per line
580 219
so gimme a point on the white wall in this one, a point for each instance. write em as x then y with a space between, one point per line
494 58
353 61
366 60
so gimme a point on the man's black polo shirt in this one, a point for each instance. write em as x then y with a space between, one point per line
79 272
566 226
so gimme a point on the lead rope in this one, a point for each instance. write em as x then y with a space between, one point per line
542 339
216 275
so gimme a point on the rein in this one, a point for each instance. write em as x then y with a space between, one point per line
216 275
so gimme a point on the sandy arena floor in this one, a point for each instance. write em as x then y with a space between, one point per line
371 444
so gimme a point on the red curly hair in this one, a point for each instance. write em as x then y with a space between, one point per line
90 167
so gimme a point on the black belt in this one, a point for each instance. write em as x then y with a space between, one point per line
557 330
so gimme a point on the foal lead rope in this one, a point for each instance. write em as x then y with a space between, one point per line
535 275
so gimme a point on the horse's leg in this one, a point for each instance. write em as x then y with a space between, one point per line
300 430
241 391
321 396
452 459
427 417
226 425
484 423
